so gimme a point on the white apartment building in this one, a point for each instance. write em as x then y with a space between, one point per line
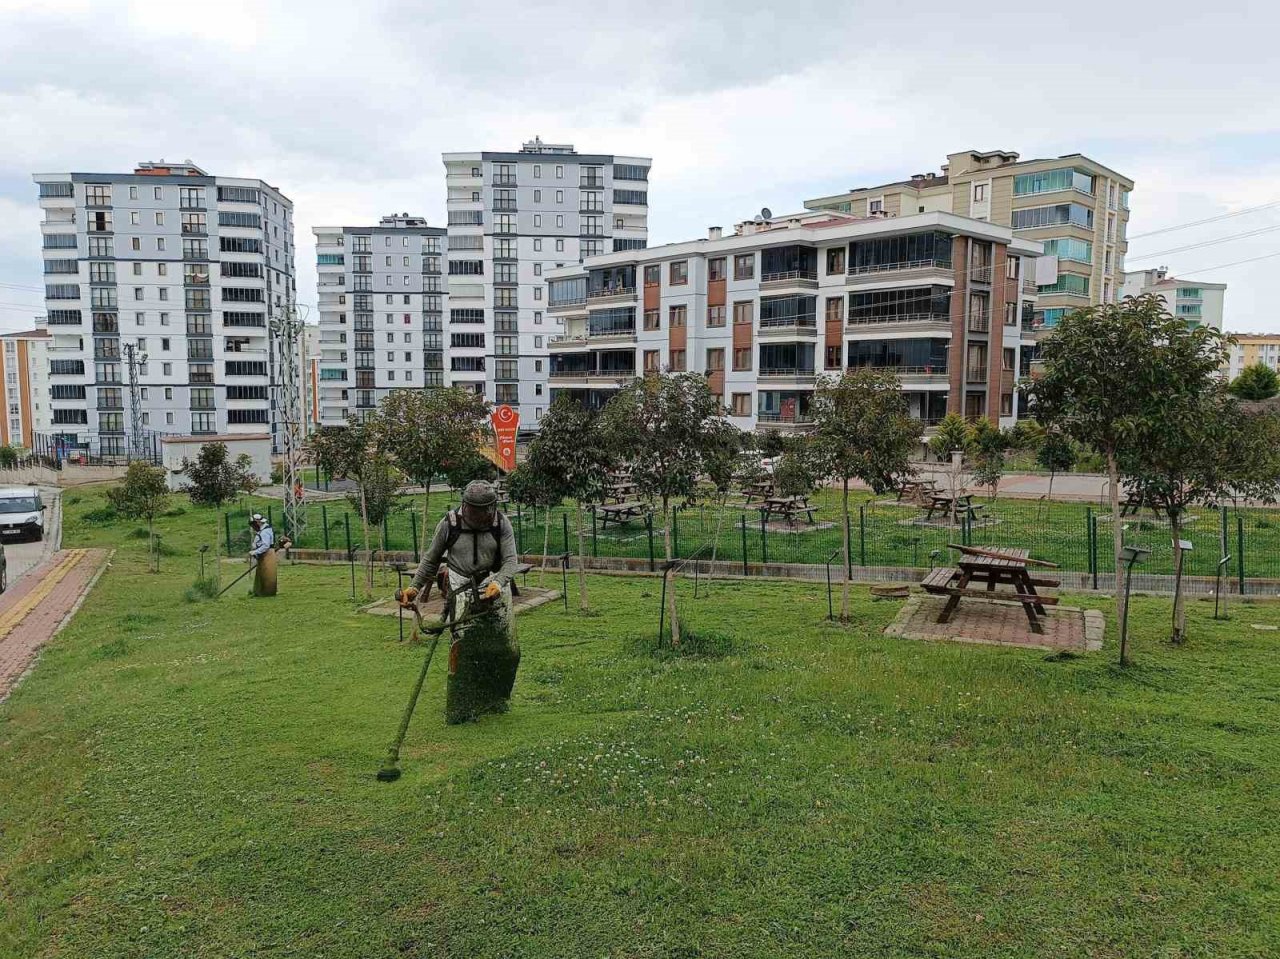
382 301
24 379
514 217
1200 304
938 298
186 267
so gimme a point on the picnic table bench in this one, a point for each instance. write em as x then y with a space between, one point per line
619 513
758 489
916 490
620 492
937 502
1133 503
788 506
1006 567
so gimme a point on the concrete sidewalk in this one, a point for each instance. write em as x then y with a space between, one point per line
35 609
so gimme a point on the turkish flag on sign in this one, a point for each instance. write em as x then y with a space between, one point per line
505 421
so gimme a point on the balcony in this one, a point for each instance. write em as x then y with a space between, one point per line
614 378
1029 286
504 206
784 419
980 322
980 274
110 405
805 325
925 321
788 374
975 374
591 208
195 229
591 183
567 341
913 270
803 279
504 179
611 294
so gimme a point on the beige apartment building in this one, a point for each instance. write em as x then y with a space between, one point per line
24 368
1249 349
1075 206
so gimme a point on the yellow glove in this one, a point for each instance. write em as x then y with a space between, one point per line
406 596
492 591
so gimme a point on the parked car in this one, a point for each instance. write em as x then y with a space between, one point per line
21 512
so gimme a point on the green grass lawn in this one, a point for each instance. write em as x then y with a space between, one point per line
196 779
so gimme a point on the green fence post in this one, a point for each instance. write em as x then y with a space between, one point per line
227 520
413 530
764 539
564 526
862 534
648 522
519 532
386 533
675 533
1240 551
324 521
743 517
1222 546
346 519
595 544
848 533
271 522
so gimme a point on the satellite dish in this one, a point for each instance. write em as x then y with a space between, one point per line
767 213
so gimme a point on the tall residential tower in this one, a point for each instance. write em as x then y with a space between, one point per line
512 218
382 296
170 263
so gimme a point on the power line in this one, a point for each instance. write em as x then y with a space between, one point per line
1209 219
1197 246
1223 266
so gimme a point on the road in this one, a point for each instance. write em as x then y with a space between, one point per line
23 556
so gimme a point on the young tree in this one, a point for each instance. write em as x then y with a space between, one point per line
1056 453
529 486
142 494
952 436
379 480
432 432
988 445
663 426
215 478
352 452
862 430
1107 371
1256 382
570 446
725 463
1198 448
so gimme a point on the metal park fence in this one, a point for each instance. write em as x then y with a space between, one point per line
883 533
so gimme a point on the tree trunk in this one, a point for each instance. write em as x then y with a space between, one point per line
368 553
426 512
1179 607
1048 503
844 552
582 559
715 543
1117 535
546 545
671 586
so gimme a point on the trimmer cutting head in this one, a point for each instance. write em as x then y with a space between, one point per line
388 774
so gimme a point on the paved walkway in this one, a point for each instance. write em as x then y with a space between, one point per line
33 610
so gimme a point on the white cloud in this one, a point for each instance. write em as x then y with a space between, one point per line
741 105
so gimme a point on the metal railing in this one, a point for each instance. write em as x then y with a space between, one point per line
980 322
902 267
789 275
975 374
980 274
799 419
787 371
613 291
904 318
808 321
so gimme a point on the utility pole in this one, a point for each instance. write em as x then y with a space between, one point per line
134 358
286 330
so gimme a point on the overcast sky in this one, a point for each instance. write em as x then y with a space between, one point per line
347 106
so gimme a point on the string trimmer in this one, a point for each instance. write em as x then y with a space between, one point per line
390 770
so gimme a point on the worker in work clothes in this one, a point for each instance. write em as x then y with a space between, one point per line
476 544
263 555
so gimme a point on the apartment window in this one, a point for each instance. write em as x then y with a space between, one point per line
559 196
715 360
741 358
979 193
744 266
744 312
678 272
133 193
677 316
835 260
559 173
164 319
159 217
832 357
1011 314
715 316
537 219
97 194
652 275
537 171
135 218
1007 359
876 205
742 404
715 268
1075 214
135 242
159 244
537 317
678 361
652 320
1050 181
586 226
559 246
835 309
537 245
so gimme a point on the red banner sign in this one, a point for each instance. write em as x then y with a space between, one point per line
505 421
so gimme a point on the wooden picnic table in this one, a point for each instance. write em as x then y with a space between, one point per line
916 490
788 506
620 492
1133 503
619 513
758 489
938 502
1003 567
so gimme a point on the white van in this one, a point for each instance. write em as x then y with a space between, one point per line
21 512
